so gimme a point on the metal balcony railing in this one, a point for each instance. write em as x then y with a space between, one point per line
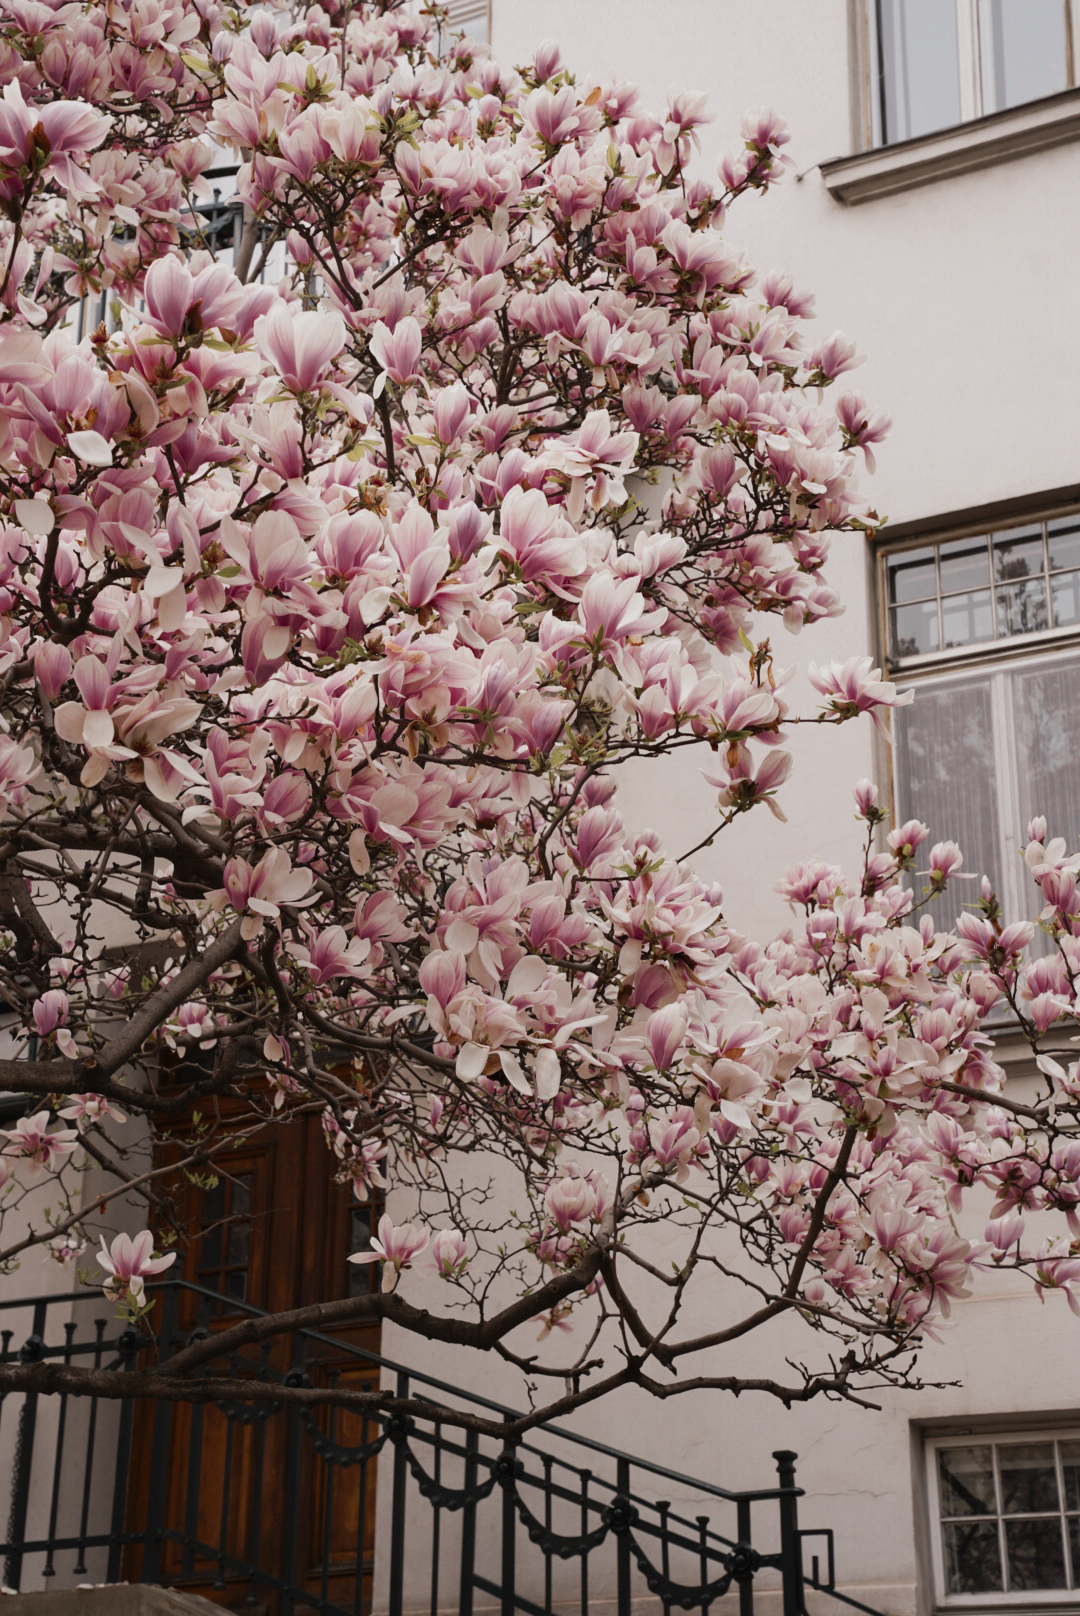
276 1504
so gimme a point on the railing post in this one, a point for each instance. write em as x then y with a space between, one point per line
790 1545
622 1541
468 1527
294 1461
397 1506
746 1581
508 1578
159 1446
32 1351
128 1349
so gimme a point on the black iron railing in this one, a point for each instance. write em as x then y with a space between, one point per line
277 1503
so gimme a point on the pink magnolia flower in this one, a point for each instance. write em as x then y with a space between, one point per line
394 1246
258 893
570 1200
664 1035
597 452
128 1262
86 1109
31 1142
449 1253
330 954
397 352
856 686
300 346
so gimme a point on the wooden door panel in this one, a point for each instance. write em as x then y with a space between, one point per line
273 1231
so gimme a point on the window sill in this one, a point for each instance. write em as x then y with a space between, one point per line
1000 138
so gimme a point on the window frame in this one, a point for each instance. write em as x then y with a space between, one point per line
993 1436
972 102
997 659
991 650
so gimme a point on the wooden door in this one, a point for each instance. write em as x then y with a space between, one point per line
247 1484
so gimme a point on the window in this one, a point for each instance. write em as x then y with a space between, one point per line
986 629
225 1241
1005 1518
942 62
362 1276
990 586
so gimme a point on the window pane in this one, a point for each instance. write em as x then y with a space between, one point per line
1070 1469
1046 720
1063 537
967 1481
361 1275
241 1195
1036 1554
914 629
1021 609
236 1245
1072 1526
919 66
1018 553
1022 45
972 1557
964 565
236 1284
945 775
967 618
1028 1478
1065 594
911 576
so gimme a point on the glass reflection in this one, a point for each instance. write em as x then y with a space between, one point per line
967 1481
1021 609
1023 48
912 576
919 67
914 629
964 565
966 618
972 1557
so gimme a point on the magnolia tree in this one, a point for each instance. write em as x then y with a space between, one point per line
330 610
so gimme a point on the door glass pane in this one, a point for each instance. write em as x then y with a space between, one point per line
1022 45
967 1481
1028 1478
912 576
967 618
945 776
1036 1554
1063 537
1070 1470
919 67
913 630
972 1557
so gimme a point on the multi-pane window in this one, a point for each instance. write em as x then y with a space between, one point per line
1007 1517
990 586
225 1242
986 630
361 1226
940 62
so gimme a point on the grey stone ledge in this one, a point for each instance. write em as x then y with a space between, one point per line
1000 138
117 1599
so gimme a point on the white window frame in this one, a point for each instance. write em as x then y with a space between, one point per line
993 659
1014 888
969 60
1024 1599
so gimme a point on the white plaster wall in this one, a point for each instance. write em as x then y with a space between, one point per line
961 296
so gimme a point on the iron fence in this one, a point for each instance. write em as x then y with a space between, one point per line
274 1506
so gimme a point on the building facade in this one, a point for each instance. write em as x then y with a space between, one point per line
933 213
